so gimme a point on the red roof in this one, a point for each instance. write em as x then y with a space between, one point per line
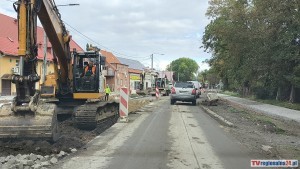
136 71
9 38
110 58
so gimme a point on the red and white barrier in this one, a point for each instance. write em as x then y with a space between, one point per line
157 92
124 96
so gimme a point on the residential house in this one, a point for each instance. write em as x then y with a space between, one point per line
9 60
135 71
149 78
116 73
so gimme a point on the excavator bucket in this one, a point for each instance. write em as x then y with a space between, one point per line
41 124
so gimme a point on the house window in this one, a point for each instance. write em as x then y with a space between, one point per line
17 62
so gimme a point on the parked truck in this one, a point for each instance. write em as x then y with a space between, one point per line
163 87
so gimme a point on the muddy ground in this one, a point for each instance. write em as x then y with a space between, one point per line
269 137
70 137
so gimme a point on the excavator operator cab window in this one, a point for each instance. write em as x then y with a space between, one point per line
89 69
85 64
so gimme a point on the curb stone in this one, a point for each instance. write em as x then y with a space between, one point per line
218 117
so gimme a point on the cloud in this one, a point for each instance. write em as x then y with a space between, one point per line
136 28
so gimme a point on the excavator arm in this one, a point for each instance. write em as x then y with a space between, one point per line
58 36
46 10
29 117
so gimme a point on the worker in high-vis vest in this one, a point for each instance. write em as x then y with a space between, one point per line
90 70
107 92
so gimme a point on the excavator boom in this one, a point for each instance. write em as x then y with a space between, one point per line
33 117
29 117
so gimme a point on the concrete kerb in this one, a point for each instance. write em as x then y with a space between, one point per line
217 117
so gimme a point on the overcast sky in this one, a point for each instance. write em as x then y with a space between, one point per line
136 28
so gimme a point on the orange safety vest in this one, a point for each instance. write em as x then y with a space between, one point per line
86 69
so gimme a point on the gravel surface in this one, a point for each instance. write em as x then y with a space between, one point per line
271 137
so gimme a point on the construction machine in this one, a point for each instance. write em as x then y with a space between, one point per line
33 116
163 86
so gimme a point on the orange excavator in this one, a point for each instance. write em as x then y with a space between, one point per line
31 115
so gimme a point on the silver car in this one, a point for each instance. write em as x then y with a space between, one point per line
183 91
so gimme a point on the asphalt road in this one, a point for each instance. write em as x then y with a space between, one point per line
163 136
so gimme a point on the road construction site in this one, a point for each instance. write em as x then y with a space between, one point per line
41 153
160 135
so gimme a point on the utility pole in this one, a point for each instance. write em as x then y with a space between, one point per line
45 58
151 56
151 69
151 61
171 73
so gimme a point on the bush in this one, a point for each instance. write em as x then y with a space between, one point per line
261 93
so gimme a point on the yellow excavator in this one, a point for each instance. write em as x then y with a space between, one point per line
31 115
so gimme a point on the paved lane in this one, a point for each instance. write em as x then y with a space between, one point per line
179 136
214 136
148 146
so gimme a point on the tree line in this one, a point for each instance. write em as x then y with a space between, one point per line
256 46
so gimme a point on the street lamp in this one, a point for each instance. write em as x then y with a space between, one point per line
68 5
152 66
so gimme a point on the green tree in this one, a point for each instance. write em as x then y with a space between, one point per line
87 48
185 68
255 45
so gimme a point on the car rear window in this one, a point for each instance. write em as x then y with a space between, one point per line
197 85
184 85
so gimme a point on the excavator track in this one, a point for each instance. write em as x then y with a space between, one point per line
90 115
41 124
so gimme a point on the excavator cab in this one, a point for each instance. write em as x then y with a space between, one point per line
84 82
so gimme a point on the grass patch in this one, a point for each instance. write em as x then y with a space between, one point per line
294 106
233 110
230 93
268 123
236 110
286 104
264 120
279 130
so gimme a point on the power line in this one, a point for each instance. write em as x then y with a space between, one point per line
107 48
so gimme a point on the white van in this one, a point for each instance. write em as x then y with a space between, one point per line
197 86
